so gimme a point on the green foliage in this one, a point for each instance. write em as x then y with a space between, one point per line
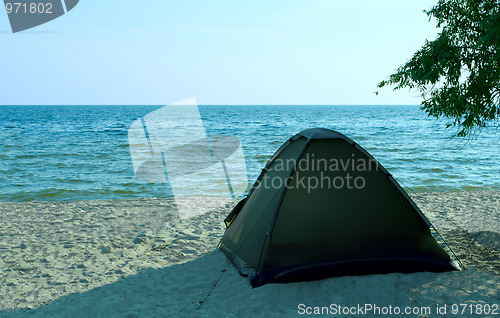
458 74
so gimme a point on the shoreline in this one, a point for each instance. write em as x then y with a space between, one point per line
49 250
410 191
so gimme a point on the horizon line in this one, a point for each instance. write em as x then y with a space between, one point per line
3 105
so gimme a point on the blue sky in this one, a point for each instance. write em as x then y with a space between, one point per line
221 52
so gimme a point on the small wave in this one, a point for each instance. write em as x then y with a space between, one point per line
406 159
437 170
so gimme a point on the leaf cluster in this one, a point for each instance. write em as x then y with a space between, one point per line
458 74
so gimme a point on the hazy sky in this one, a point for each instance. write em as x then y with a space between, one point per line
221 52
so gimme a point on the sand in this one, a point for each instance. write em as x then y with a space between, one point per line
136 258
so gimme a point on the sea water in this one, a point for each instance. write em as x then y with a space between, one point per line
61 153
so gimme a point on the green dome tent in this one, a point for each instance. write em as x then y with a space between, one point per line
323 207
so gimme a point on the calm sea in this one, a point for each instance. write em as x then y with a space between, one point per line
60 153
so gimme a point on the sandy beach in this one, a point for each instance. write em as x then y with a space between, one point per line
137 258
